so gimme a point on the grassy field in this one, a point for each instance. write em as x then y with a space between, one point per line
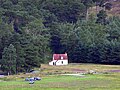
107 78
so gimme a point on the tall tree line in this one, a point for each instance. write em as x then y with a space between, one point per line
32 30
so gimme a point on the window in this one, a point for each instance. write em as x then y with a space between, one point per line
61 58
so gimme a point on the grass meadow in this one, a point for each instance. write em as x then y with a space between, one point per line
106 78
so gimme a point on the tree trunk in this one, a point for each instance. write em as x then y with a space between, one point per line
8 73
87 13
96 8
15 25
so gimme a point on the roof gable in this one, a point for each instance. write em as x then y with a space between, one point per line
60 57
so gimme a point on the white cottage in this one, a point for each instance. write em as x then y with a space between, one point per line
59 59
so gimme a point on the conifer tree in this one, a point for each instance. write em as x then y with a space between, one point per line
8 62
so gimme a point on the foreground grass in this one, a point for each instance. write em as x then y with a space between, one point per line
89 82
104 81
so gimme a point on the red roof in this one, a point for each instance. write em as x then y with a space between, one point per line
60 57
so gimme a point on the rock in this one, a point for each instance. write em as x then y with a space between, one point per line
92 72
27 79
37 78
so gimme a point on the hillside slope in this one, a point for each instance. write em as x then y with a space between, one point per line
116 7
115 11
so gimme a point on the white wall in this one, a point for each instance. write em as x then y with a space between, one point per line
51 63
59 62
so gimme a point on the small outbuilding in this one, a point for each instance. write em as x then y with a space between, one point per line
59 59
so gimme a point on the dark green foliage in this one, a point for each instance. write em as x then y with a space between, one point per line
79 54
110 54
87 3
31 58
94 54
101 18
39 28
65 10
41 37
27 53
55 39
114 30
8 62
5 34
16 40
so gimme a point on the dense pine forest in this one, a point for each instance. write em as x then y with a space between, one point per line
32 30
